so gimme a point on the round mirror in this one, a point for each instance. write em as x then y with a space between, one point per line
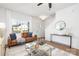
60 25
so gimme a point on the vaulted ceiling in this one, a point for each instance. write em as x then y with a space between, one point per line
34 10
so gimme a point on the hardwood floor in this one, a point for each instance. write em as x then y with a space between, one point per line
64 47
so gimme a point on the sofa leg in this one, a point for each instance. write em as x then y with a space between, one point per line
8 46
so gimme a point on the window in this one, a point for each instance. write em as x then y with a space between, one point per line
21 24
20 28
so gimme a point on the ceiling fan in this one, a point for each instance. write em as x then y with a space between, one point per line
49 5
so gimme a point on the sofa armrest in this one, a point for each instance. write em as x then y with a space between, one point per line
34 37
12 42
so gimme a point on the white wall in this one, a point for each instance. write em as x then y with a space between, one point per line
49 27
2 15
37 26
43 28
71 16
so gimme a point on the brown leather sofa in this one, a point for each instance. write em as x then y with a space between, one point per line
28 38
25 35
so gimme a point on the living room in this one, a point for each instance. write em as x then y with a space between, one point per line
22 24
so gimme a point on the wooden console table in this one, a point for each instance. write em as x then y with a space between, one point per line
51 38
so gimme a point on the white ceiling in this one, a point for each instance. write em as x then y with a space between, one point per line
34 10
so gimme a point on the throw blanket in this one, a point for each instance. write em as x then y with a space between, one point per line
20 40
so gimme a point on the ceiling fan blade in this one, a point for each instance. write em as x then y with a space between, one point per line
50 5
39 4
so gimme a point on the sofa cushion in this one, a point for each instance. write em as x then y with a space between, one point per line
30 34
13 36
25 35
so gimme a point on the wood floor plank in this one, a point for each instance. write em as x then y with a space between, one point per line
64 47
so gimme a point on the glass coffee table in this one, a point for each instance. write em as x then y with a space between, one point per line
42 50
